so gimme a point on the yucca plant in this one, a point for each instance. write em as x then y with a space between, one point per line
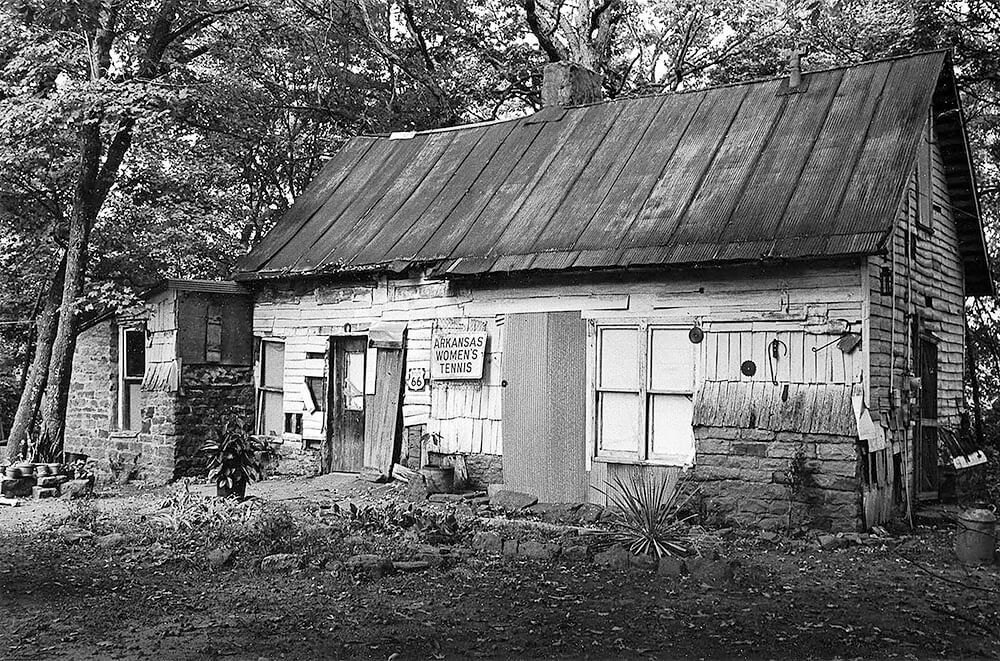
650 520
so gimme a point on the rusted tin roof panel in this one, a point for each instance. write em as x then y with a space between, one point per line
743 172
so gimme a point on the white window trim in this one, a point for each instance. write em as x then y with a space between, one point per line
123 380
260 388
645 327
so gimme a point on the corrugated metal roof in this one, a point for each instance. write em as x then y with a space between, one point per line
193 285
742 172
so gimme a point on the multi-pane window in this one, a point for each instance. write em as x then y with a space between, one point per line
132 368
644 384
270 389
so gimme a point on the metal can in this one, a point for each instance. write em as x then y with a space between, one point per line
975 540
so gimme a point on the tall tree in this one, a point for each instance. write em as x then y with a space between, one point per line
90 72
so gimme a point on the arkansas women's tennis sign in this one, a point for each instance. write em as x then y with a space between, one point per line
458 355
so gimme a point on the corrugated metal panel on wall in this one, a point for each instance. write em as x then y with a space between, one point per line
544 406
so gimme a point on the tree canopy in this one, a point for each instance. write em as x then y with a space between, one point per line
196 123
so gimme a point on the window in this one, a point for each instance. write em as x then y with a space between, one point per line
317 392
644 384
270 389
131 369
354 381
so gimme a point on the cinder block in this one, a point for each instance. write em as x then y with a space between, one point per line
44 492
17 488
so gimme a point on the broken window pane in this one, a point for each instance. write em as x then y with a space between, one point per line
619 359
317 392
354 381
670 431
618 420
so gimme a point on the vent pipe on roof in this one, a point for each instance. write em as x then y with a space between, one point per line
795 65
570 84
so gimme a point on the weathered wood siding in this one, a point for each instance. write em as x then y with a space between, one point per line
930 283
162 372
741 309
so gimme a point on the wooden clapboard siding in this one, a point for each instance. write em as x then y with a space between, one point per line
742 310
543 408
936 271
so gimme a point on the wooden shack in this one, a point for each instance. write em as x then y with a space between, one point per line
763 284
151 387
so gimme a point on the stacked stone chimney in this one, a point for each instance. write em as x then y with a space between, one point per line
569 84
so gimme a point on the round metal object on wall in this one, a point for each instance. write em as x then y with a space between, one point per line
749 368
696 335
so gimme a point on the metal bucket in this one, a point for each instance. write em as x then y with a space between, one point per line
975 540
439 479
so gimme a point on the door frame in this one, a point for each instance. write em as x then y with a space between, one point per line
925 437
334 394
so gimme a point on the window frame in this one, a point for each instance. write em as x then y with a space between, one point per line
262 388
125 422
645 327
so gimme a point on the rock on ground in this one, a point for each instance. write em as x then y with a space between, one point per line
487 541
280 562
538 550
374 566
76 489
220 557
715 573
616 556
512 500
111 540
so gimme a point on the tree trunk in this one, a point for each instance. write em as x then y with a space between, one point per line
50 436
973 367
31 393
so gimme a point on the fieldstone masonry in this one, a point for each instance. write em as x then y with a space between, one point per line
770 479
174 425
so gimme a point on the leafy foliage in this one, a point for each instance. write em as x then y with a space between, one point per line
427 525
236 455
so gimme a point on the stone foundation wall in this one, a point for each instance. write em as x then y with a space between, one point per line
93 392
484 469
210 393
769 479
290 458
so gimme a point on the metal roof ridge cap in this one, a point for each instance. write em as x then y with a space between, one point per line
443 129
765 79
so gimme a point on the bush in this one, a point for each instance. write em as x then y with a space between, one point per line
650 517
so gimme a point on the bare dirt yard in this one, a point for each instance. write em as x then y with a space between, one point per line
173 574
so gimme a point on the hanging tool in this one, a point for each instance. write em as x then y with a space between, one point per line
774 352
834 340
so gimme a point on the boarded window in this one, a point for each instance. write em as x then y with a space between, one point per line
132 370
643 387
270 389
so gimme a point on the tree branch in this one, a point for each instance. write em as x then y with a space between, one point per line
544 40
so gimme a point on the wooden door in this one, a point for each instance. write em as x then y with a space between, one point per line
343 450
544 405
926 454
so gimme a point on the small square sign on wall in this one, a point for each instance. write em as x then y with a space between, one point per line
458 355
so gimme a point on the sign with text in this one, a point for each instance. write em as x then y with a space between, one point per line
458 355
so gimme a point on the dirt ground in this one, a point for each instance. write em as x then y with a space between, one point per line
904 597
